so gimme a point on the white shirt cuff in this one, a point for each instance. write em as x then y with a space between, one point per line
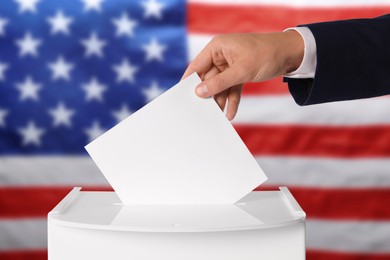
309 62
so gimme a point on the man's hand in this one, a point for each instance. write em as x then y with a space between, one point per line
230 60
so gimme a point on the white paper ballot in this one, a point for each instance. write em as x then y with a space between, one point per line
178 149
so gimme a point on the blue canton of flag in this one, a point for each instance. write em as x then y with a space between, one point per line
71 69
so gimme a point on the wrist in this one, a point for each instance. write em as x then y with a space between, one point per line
294 50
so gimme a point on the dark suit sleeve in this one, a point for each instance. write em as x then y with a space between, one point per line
353 61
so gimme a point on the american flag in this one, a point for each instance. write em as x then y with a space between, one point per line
71 69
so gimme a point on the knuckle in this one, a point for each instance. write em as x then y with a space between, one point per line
218 39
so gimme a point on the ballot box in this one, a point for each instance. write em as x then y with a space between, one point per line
96 225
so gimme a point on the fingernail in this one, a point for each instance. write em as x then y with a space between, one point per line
202 90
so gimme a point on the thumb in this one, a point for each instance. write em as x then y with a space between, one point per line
220 82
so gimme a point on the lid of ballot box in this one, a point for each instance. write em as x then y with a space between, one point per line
104 210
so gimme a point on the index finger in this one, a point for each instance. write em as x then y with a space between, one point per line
201 64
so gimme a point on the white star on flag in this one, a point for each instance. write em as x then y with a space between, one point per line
60 23
28 89
28 45
125 71
154 50
152 9
3 23
60 69
61 115
152 92
124 25
122 114
27 5
93 46
92 5
94 90
3 68
3 114
31 134
94 131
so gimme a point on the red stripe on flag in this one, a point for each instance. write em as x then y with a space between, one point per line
24 255
30 201
317 203
258 18
325 255
342 204
274 86
310 255
19 202
326 141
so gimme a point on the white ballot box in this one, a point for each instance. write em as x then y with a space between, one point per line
266 225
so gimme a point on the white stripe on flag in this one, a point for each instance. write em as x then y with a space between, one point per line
49 170
23 234
290 171
283 110
294 171
346 236
297 3
326 173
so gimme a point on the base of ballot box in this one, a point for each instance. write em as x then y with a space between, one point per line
95 225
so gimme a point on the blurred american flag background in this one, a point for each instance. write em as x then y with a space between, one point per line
71 69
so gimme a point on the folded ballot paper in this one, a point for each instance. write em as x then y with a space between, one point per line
178 149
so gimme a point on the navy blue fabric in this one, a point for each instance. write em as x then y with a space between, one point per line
353 62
